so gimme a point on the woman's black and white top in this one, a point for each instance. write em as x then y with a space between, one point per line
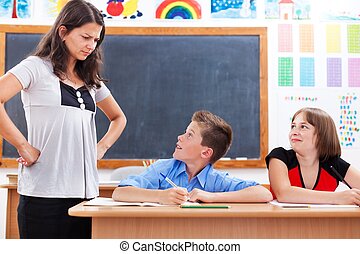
61 124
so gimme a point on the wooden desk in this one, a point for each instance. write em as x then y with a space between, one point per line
12 231
240 221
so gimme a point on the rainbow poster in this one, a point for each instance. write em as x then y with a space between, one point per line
178 9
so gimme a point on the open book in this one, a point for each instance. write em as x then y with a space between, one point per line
100 201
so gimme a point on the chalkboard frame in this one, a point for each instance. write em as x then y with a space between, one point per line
261 32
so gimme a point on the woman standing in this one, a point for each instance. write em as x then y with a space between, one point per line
60 87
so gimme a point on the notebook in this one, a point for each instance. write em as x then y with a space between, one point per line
101 201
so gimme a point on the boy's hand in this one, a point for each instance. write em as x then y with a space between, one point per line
200 195
174 196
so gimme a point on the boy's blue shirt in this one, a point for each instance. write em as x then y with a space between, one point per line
208 179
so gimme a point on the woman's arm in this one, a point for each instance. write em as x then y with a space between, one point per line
117 124
280 184
250 194
9 87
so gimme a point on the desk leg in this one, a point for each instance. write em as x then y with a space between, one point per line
12 230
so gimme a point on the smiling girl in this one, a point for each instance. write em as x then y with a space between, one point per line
311 171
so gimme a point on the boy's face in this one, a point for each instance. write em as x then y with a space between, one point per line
189 148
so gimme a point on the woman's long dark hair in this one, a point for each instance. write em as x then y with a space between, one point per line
75 13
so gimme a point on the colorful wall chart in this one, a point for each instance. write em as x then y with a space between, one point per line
178 9
339 65
353 32
285 71
354 72
307 71
306 34
348 124
334 72
333 38
285 39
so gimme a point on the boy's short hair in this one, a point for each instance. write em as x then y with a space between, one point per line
215 133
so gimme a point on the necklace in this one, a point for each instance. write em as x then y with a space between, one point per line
73 82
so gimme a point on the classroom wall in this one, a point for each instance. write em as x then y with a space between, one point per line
311 61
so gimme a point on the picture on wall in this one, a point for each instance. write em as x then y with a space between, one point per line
238 9
178 9
16 8
48 8
122 9
6 8
288 9
341 10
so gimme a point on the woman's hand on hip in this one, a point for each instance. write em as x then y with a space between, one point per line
28 155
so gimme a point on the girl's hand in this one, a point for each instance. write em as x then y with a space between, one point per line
348 197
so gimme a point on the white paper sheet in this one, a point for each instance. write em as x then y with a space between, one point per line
101 201
299 205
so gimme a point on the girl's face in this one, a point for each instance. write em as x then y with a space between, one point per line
302 135
81 41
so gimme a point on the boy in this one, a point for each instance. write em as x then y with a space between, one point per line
206 140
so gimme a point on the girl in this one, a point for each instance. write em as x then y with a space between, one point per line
310 172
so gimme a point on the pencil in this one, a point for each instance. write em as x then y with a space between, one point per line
295 206
339 176
169 181
205 206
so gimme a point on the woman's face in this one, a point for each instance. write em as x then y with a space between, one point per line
302 135
81 41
